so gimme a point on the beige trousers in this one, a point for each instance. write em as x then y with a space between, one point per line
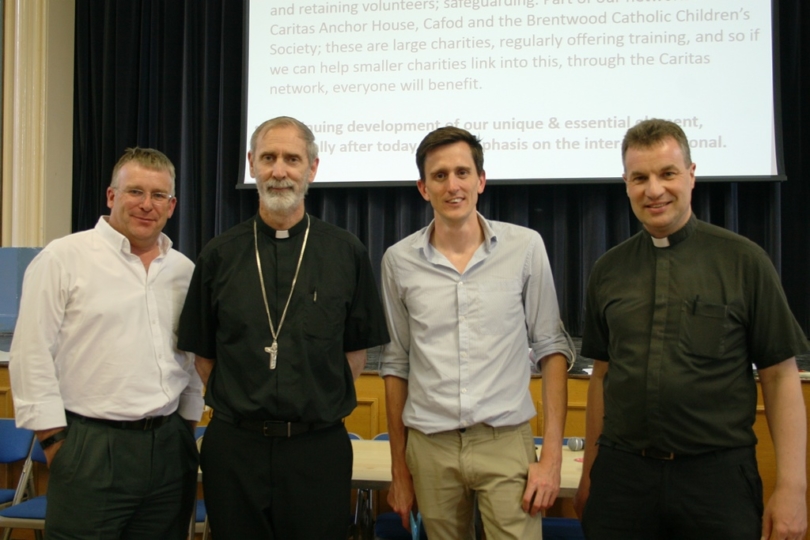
451 467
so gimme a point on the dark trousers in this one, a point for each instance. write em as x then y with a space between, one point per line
276 488
717 495
109 483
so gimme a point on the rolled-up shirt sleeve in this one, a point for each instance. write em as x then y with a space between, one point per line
546 332
395 356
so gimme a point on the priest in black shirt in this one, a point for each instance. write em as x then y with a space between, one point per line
279 314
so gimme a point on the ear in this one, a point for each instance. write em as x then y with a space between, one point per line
250 165
172 205
692 169
110 197
482 181
313 169
626 184
420 185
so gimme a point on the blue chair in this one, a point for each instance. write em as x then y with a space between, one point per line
557 528
28 514
15 445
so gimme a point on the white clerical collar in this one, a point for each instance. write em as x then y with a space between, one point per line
282 234
660 242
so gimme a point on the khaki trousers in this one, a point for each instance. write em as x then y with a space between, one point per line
451 467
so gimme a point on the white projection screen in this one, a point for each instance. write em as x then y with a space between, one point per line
549 86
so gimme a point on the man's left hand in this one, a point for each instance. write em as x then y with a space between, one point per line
785 516
542 487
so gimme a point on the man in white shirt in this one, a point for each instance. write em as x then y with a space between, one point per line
96 373
465 298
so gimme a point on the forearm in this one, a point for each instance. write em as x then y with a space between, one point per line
594 417
555 404
785 412
357 362
396 393
204 366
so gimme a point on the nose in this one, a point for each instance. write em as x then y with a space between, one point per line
278 171
655 188
453 182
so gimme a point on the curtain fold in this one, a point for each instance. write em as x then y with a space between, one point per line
168 74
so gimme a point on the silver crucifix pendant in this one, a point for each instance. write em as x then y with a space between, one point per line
273 351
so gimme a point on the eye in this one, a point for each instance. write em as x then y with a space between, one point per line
160 196
135 193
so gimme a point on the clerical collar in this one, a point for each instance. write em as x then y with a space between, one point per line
295 230
678 236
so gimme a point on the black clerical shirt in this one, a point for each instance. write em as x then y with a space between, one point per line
335 308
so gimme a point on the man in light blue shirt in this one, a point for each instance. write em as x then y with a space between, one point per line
465 299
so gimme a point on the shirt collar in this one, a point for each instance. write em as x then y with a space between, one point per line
677 237
422 240
295 230
120 242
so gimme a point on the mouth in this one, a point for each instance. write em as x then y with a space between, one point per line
455 200
657 207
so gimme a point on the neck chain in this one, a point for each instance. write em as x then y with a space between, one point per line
272 350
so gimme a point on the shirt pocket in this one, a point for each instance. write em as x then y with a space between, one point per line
704 328
324 316
501 306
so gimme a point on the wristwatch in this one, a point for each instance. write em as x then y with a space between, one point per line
53 439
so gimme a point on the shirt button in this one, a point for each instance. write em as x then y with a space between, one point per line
463 390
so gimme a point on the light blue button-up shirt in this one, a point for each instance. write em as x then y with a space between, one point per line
462 339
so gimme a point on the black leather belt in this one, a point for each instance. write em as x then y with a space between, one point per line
144 424
653 453
274 428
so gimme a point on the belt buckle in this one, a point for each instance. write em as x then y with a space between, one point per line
148 423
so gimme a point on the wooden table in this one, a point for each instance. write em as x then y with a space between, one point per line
372 467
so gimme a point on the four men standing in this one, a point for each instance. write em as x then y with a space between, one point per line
280 312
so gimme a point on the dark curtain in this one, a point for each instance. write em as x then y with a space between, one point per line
167 74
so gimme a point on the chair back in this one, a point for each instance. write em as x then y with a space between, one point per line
14 442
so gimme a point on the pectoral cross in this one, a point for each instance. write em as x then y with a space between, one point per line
273 351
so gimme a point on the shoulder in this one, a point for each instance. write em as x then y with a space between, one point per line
335 235
234 238
179 261
509 232
407 246
625 253
727 241
71 245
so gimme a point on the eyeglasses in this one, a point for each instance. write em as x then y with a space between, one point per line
139 195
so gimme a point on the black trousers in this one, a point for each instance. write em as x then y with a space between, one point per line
276 488
110 484
717 495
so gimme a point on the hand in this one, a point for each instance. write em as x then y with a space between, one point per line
785 516
401 498
542 487
51 451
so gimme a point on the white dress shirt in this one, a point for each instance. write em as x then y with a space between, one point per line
462 339
97 333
